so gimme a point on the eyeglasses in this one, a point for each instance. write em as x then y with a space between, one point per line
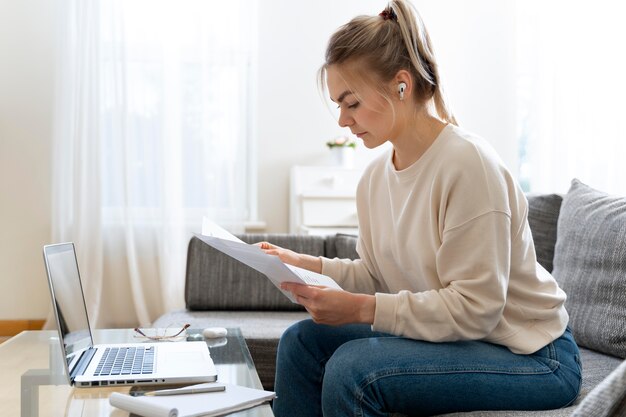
168 333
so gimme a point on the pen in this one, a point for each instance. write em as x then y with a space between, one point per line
188 390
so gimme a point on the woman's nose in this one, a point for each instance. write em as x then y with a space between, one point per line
344 120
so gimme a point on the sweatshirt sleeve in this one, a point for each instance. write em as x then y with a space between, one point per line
473 264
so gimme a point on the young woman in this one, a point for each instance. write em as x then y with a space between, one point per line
447 309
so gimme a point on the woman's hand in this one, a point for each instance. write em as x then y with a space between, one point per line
332 306
312 263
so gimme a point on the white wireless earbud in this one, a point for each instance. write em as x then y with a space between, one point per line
401 88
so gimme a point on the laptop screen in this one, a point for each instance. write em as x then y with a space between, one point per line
67 298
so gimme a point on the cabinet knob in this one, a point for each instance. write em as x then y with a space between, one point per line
334 181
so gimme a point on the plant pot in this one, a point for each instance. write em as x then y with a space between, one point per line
342 156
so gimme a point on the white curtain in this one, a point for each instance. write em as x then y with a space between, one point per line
572 62
76 205
154 130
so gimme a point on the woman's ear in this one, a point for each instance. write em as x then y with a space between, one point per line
403 84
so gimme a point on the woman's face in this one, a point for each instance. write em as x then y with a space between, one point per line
365 112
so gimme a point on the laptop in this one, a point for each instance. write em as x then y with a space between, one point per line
89 365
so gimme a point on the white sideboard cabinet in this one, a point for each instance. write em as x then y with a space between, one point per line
323 200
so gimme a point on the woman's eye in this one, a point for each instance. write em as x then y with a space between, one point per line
350 106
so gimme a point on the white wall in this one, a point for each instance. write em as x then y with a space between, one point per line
473 41
26 86
294 121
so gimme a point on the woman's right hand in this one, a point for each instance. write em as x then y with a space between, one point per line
312 263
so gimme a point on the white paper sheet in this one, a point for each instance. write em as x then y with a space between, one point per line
210 228
254 257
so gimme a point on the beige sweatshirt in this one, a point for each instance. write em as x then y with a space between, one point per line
446 248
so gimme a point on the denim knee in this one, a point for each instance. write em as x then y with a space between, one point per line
290 334
340 367
296 334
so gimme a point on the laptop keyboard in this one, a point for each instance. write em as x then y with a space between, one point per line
126 361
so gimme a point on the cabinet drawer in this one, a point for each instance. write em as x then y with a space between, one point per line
320 211
332 181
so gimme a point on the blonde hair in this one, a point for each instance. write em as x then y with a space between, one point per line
387 43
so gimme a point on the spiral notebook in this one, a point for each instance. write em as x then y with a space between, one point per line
233 398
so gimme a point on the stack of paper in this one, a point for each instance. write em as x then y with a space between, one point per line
234 398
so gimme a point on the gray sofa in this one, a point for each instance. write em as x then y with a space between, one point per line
579 237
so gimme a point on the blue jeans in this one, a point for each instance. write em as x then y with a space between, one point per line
353 371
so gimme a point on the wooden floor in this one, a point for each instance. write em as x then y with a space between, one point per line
2 339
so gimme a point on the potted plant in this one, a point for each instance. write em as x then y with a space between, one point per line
342 151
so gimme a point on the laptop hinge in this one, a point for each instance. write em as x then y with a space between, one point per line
82 363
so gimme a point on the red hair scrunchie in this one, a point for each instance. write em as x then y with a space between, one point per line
389 14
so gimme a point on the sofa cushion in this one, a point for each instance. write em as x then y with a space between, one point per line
345 246
590 266
608 399
559 412
330 249
543 215
596 366
215 281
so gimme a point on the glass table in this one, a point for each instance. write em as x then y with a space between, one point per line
28 389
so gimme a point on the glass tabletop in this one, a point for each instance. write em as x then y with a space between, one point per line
26 388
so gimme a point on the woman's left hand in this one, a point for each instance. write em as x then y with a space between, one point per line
332 306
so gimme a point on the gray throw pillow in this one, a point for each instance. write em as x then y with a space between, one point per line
590 266
543 215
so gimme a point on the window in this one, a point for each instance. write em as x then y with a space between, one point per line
177 90
570 93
